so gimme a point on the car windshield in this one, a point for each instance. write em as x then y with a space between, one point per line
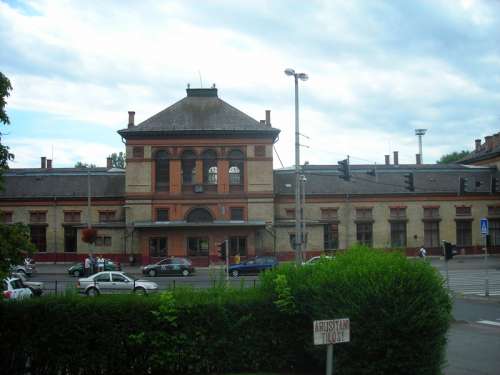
17 283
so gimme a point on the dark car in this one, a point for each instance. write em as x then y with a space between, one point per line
253 266
169 266
77 268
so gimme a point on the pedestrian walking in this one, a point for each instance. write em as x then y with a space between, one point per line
100 263
86 266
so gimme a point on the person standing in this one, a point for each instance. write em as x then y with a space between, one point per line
100 263
237 258
422 253
86 266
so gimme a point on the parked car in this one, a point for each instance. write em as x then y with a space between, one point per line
170 266
13 289
114 282
253 265
26 269
317 259
77 269
36 287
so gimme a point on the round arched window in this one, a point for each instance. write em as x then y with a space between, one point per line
209 167
162 170
199 215
235 167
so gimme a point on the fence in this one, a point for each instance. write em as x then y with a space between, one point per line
64 286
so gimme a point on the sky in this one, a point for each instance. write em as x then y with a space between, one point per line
377 71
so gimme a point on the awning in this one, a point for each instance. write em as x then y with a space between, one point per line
213 224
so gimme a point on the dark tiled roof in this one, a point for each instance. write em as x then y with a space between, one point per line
62 183
482 154
200 113
388 179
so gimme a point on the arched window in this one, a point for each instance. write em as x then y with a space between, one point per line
162 171
235 167
199 215
188 167
209 167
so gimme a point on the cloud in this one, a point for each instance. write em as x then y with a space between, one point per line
377 69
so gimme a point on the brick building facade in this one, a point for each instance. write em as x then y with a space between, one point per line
201 171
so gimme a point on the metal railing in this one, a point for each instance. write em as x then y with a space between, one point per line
61 287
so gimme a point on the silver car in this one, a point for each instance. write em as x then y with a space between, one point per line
114 282
25 269
36 287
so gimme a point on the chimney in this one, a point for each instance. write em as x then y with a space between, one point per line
387 159
489 142
131 116
478 144
49 163
419 159
109 163
268 117
496 140
396 161
43 162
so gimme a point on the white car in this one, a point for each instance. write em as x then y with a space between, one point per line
114 282
315 260
36 287
13 289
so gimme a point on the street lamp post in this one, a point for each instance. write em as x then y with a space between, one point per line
298 224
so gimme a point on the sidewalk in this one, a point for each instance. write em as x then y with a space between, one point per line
62 268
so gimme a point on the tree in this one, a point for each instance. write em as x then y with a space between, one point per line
118 160
15 243
81 165
5 155
453 157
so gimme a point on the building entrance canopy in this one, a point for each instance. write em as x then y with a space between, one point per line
213 224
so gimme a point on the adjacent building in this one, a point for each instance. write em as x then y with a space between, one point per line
201 171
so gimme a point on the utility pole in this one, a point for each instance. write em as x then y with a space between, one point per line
420 133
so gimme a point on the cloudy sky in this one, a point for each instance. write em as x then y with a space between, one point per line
378 70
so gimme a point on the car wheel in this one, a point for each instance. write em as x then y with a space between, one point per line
235 273
140 290
185 272
152 273
76 273
92 292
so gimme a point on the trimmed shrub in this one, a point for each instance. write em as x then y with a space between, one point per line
398 308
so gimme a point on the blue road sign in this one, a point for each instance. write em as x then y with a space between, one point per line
484 226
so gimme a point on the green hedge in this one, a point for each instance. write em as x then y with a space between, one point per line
398 308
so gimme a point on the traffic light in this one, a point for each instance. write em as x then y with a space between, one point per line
462 185
449 250
344 169
222 250
409 181
494 184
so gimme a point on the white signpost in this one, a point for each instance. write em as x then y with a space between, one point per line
329 332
